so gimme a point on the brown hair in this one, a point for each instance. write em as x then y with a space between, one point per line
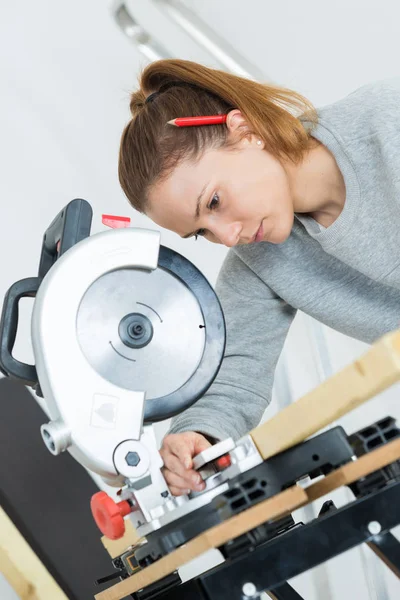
150 148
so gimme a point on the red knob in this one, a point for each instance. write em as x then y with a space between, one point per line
223 461
109 515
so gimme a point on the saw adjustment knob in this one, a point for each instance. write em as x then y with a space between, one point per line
109 515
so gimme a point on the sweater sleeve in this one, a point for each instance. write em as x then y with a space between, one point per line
257 322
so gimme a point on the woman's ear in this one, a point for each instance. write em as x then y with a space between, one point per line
238 130
236 122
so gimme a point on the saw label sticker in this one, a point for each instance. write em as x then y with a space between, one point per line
104 411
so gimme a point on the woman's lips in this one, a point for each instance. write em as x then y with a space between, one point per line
260 234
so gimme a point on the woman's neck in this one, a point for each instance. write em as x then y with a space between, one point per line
317 185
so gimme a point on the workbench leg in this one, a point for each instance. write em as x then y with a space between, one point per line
387 548
284 592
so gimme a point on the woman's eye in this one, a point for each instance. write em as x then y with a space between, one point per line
212 206
200 232
214 202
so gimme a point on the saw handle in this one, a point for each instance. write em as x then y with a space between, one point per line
10 366
70 226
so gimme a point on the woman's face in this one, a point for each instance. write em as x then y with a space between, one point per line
230 197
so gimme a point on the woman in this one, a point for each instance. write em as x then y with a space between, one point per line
308 201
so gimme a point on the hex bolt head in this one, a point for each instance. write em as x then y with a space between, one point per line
374 527
249 590
132 459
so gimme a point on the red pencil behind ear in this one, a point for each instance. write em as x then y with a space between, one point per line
190 121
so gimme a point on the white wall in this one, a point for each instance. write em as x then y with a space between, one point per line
66 73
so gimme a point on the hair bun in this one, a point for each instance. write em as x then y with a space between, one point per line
137 102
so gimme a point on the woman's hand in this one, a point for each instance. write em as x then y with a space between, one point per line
177 452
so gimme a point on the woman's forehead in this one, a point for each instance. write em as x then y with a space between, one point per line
186 181
179 185
172 203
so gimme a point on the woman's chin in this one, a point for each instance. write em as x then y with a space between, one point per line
277 236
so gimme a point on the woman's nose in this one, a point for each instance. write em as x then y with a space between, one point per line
229 234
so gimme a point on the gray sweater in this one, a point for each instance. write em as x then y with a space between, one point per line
346 276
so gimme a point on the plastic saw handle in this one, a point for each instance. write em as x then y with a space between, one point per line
69 227
10 366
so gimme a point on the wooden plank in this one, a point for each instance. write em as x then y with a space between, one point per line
273 508
375 371
355 470
117 547
24 589
22 568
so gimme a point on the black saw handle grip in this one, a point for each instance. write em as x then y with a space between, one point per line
10 366
71 225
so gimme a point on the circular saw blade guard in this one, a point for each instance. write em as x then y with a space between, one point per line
124 332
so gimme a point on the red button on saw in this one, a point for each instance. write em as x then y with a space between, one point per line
115 222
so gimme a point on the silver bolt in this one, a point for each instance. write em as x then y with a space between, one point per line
374 527
132 459
249 590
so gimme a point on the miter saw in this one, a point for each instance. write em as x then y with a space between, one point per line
127 332
139 329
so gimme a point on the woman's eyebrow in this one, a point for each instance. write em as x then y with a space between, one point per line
197 213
